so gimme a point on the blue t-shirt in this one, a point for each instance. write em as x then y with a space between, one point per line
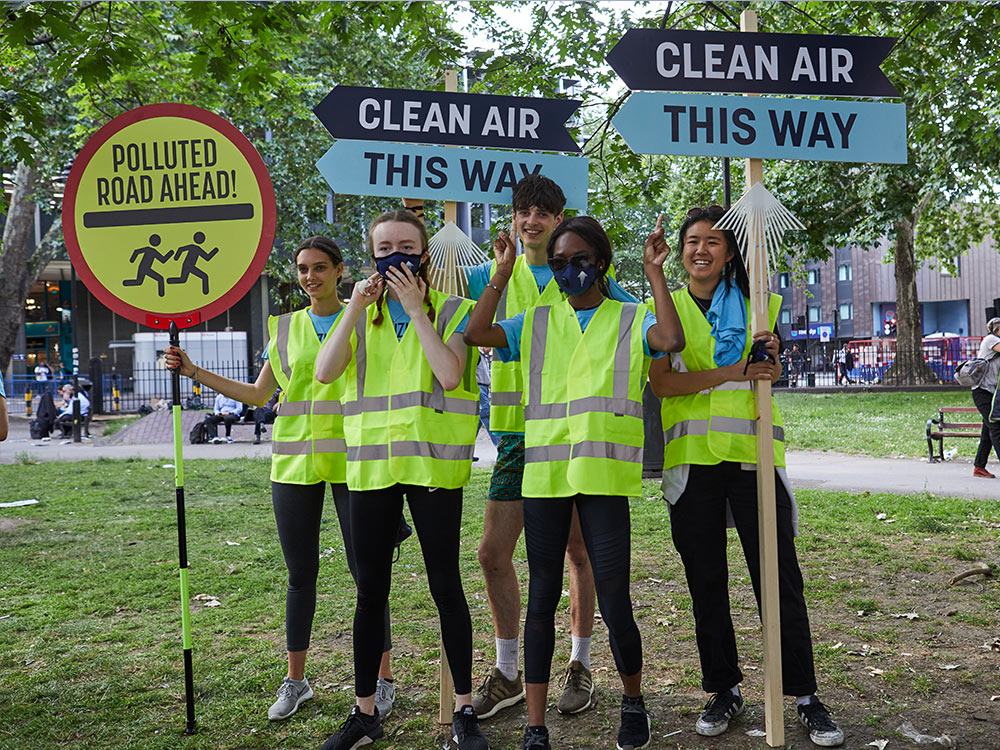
321 324
512 328
3 393
401 321
479 276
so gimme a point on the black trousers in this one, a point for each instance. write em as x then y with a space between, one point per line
990 436
437 517
212 423
262 416
698 526
298 510
606 528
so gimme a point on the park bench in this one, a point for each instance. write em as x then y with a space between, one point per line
938 428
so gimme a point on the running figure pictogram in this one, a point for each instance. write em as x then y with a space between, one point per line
147 256
189 267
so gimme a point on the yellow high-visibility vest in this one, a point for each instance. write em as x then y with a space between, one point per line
583 400
401 426
307 444
521 293
719 424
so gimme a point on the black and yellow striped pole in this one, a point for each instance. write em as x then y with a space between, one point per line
175 378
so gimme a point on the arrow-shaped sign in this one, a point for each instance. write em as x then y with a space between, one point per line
752 63
655 122
453 119
442 173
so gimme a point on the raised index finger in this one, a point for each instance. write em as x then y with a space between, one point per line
659 224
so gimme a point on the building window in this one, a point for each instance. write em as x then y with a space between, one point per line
946 271
844 272
814 313
786 317
783 280
813 276
846 311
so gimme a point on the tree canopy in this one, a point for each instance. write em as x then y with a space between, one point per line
67 68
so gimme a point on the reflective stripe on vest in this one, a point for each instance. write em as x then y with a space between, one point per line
396 437
717 424
307 444
520 294
564 450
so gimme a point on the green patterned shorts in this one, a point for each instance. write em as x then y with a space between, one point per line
505 484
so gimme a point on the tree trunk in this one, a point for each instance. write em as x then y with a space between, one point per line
908 367
17 243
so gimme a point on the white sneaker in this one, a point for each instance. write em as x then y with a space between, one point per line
290 695
385 696
215 440
228 439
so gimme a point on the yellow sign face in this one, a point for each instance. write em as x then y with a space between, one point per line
169 215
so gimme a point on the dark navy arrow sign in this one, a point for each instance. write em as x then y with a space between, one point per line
752 63
445 118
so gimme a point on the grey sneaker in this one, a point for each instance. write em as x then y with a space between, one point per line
578 690
385 696
496 693
721 707
290 695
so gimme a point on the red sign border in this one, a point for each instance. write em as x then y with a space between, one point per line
268 212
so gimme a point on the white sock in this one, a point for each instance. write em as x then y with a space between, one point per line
803 700
735 689
581 651
508 651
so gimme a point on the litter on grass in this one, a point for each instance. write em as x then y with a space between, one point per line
18 503
910 732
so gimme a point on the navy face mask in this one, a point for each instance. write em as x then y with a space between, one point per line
573 279
397 261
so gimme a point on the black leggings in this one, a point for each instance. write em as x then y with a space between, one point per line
990 435
698 526
437 517
606 527
298 509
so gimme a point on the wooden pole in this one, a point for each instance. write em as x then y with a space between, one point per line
446 700
770 605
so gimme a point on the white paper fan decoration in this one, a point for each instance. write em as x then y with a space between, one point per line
451 249
759 222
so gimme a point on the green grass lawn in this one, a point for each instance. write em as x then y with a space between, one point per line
90 652
874 424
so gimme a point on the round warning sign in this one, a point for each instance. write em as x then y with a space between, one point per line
168 215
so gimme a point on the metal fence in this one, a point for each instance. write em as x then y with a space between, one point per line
820 366
871 362
120 391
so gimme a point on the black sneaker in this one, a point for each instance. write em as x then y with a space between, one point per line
823 730
634 730
357 730
536 738
465 730
720 708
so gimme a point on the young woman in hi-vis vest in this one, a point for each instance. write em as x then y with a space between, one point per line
710 471
307 453
411 408
584 362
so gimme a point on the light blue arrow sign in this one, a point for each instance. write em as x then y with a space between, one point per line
763 128
442 173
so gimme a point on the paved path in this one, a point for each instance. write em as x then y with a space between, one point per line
807 469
